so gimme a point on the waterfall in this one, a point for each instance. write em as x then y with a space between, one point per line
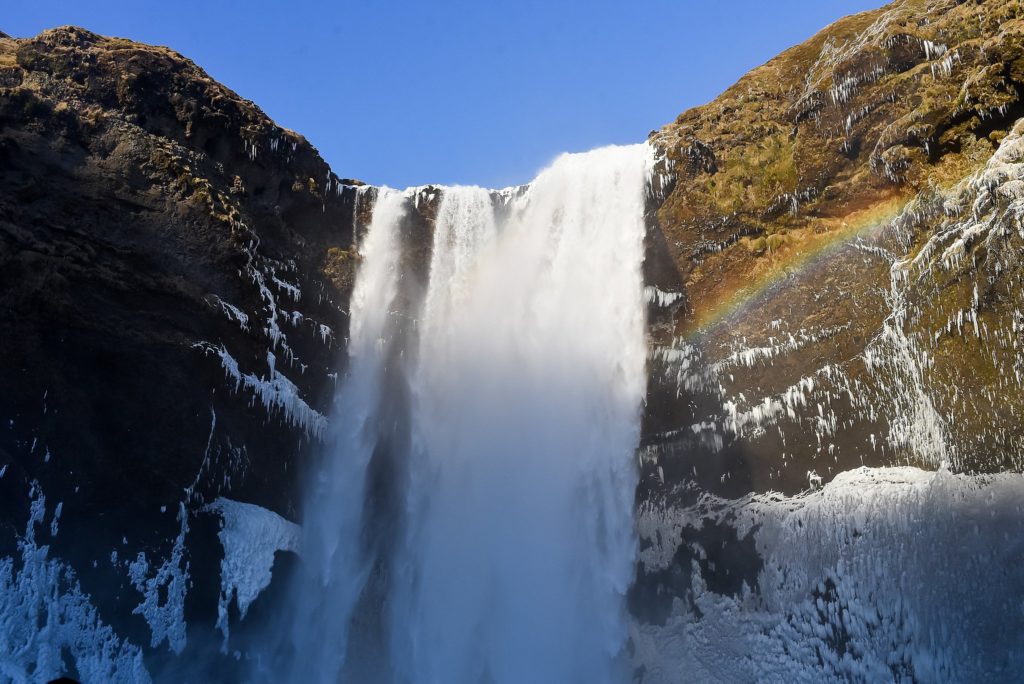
335 561
515 543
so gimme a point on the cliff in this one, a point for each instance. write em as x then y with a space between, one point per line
174 269
838 286
833 273
793 343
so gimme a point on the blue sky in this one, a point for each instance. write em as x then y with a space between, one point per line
458 91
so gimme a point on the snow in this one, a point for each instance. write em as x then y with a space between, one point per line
276 393
49 627
166 619
54 523
882 574
250 536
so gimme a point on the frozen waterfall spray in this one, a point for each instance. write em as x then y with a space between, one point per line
516 546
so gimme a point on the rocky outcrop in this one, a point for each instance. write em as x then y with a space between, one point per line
845 229
174 272
817 327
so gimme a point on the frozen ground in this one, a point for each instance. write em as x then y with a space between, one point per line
890 574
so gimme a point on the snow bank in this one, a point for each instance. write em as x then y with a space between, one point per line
890 573
250 535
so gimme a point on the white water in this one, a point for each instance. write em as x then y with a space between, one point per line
335 565
516 544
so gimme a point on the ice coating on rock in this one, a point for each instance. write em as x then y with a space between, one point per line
48 623
250 536
876 575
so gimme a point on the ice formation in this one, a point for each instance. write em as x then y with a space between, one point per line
947 252
508 402
163 591
49 627
250 536
875 577
276 393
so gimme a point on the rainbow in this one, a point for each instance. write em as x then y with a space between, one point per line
795 259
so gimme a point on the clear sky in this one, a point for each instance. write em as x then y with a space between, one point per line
458 91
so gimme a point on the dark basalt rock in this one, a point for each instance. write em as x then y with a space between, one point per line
150 221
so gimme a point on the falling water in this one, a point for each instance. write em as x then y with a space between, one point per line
335 562
515 546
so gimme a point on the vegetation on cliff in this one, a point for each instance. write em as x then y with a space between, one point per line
795 197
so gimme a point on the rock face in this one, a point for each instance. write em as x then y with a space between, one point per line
794 344
844 231
174 269
834 281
